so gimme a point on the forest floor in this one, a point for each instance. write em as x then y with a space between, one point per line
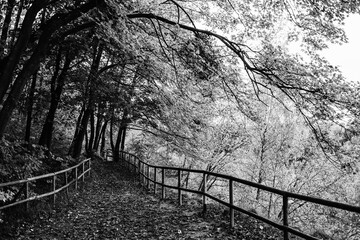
112 205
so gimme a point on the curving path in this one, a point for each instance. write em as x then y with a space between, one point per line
112 206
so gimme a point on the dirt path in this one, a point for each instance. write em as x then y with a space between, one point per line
113 206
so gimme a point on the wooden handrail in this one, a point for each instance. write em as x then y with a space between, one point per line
54 175
139 167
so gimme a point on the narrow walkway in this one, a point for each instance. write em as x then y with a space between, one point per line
112 206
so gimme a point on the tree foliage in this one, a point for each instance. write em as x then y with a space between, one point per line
210 84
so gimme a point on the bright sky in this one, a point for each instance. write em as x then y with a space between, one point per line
347 56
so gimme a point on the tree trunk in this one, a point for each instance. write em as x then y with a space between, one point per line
7 71
33 63
78 142
30 109
98 50
18 15
123 135
271 198
116 154
90 144
29 68
77 128
262 161
46 133
6 26
120 140
103 139
112 120
86 141
98 135
98 128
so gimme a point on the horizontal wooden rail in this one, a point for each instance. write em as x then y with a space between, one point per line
85 167
143 170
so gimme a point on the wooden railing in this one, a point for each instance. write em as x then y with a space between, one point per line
145 171
78 171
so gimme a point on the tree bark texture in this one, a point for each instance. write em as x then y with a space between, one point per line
78 123
120 140
14 56
58 85
16 25
93 75
40 51
6 26
30 109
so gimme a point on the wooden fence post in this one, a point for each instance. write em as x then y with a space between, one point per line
204 191
154 180
285 216
179 185
231 201
162 183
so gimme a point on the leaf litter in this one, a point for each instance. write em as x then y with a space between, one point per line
112 205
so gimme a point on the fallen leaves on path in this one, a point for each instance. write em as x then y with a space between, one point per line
112 205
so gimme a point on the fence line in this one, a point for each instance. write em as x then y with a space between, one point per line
144 171
54 177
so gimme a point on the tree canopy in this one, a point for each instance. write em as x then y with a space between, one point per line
219 85
132 58
127 61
